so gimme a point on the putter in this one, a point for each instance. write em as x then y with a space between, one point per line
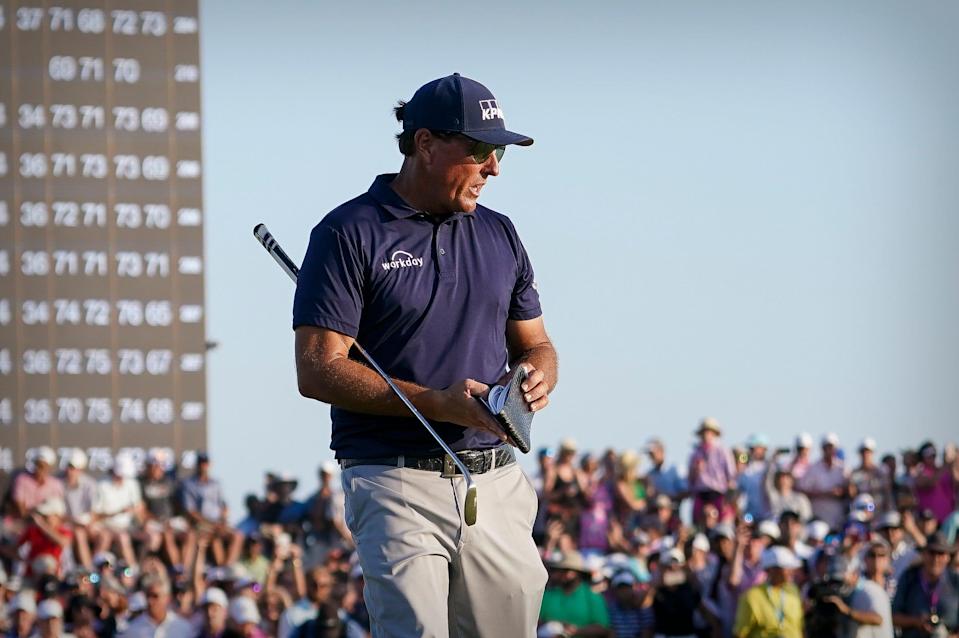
278 254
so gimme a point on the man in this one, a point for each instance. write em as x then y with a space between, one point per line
627 617
865 608
324 515
803 457
319 589
36 485
23 609
902 552
163 529
50 619
206 508
80 494
877 567
927 595
439 290
711 471
675 597
118 508
772 609
662 478
870 478
752 480
158 621
826 485
213 606
569 600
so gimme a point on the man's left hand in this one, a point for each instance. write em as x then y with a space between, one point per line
535 389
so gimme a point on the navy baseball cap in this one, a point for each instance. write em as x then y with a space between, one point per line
459 104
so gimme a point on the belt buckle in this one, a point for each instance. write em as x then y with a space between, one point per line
449 467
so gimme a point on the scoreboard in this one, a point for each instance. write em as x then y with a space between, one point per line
102 341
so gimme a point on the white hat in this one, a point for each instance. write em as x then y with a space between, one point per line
24 601
102 558
868 443
568 444
804 440
50 608
77 459
674 556
863 503
701 543
124 467
769 528
44 565
158 456
243 610
779 556
214 596
137 601
817 530
624 577
45 454
551 629
52 506
329 467
830 438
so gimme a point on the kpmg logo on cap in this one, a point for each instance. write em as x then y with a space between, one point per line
490 110
402 259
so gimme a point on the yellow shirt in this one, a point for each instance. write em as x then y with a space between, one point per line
769 612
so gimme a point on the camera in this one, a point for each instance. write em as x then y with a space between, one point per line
824 618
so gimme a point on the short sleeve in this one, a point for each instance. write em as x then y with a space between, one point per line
329 289
524 302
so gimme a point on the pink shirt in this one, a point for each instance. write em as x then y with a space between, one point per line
30 493
940 498
717 472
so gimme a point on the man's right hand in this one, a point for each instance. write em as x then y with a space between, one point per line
458 404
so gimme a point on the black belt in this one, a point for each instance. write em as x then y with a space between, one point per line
476 461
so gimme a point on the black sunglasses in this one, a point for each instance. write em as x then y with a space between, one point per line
479 151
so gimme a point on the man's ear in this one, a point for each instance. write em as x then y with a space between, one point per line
424 144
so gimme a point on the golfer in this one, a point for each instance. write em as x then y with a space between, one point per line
440 291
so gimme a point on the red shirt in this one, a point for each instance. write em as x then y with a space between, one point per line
41 544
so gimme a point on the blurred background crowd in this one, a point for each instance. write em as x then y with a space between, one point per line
812 538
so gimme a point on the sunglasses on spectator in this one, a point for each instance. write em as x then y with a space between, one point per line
479 151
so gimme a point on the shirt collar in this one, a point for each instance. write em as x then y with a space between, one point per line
385 196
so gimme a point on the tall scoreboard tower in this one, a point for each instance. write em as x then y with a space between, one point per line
102 342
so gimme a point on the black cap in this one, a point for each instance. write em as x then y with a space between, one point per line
939 543
459 104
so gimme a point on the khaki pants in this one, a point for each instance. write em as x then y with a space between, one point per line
430 575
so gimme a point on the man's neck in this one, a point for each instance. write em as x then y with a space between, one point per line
410 185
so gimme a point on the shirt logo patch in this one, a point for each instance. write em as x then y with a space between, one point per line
402 259
490 110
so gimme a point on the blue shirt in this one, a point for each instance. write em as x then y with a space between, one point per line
428 299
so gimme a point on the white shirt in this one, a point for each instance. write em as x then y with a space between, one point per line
870 596
172 627
822 478
113 498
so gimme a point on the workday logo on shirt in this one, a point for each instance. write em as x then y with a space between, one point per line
402 259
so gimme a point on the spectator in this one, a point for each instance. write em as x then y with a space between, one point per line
663 478
213 605
244 619
877 566
752 480
935 485
927 595
773 608
319 590
902 551
325 526
50 619
711 471
36 485
569 600
627 617
163 529
803 457
870 478
826 485
45 538
206 508
862 611
158 621
80 494
23 608
791 533
675 597
118 507
781 496
566 488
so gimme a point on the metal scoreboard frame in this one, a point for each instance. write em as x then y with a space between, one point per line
102 337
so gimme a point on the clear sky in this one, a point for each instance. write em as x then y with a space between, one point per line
748 210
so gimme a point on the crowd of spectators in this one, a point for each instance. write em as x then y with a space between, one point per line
751 542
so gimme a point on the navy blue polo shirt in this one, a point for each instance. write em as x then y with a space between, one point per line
428 300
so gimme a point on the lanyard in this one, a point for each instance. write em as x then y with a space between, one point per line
780 611
933 595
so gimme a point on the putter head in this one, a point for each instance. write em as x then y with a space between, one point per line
469 512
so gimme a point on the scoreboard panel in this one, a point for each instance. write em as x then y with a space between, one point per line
102 340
